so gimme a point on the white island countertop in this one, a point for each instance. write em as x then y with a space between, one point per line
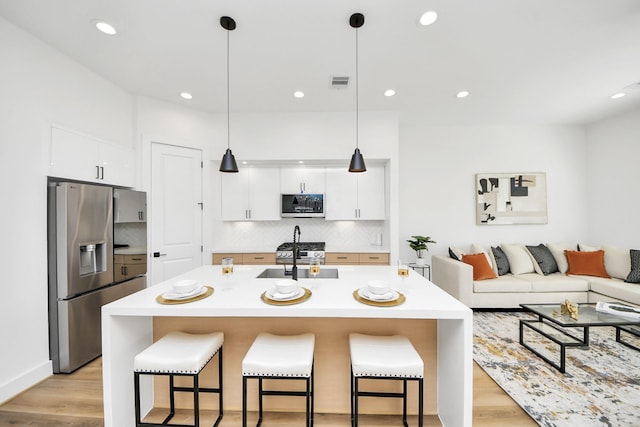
127 325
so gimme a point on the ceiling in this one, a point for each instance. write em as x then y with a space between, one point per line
523 61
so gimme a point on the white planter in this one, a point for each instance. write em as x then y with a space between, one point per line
419 261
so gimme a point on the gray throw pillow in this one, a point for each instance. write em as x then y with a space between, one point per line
634 274
502 263
544 258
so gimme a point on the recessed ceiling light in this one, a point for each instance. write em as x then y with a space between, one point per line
298 94
244 162
186 95
389 92
462 94
618 95
105 27
300 161
428 18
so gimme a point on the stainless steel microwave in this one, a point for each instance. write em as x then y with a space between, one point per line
302 205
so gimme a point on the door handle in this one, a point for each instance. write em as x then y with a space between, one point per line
158 254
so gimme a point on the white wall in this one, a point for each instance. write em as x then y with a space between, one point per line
271 137
38 86
437 186
613 204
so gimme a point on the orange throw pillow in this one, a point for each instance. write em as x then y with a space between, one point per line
481 268
586 263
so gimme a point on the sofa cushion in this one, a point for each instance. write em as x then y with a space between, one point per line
506 283
500 261
519 259
586 263
477 249
556 282
587 248
616 288
557 250
544 258
634 274
481 268
617 261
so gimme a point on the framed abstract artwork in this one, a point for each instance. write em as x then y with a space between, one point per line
511 198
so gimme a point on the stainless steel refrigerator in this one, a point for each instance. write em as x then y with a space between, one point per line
81 278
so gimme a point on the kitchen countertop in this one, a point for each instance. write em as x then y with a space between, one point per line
127 325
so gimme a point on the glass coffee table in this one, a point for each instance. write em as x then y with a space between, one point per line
561 328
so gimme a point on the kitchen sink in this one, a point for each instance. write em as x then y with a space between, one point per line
303 273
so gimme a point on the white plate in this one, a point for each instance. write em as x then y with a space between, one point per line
170 295
277 296
389 296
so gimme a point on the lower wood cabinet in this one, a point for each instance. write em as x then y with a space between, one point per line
356 258
127 266
245 258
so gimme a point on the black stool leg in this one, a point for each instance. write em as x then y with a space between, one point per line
404 403
220 406
420 402
259 402
244 401
136 385
355 402
196 401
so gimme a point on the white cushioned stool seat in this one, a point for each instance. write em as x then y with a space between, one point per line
179 352
389 356
385 358
274 355
282 357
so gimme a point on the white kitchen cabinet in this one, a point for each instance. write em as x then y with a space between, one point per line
129 206
74 155
252 194
309 180
355 196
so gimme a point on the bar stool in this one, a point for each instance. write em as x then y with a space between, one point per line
279 357
180 354
386 358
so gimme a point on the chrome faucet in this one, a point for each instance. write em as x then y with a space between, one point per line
294 269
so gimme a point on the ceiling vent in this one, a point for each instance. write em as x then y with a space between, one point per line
339 82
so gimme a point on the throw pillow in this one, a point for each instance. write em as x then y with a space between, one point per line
501 261
456 253
519 259
617 261
544 258
634 275
586 263
477 249
586 248
481 268
557 249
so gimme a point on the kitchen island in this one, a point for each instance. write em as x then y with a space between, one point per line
439 326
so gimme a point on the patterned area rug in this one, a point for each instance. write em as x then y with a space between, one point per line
601 386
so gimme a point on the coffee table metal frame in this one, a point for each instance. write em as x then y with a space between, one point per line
632 330
555 327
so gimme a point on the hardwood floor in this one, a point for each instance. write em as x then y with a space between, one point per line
75 400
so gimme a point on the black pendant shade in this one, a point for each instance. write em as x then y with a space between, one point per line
357 161
228 163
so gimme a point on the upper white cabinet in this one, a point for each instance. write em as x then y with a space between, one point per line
253 194
129 206
302 180
355 196
77 156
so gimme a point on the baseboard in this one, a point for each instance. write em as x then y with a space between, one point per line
22 382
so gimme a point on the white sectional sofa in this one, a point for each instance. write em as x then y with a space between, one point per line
510 290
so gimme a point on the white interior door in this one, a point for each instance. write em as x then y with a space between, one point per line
176 210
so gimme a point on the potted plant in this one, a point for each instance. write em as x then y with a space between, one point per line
419 244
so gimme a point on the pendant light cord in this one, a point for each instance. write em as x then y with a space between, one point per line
228 114
357 91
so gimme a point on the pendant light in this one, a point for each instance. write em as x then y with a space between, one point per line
357 161
228 163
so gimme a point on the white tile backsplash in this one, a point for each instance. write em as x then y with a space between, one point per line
133 234
269 234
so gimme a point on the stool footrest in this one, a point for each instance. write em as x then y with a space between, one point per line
200 389
283 393
380 394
